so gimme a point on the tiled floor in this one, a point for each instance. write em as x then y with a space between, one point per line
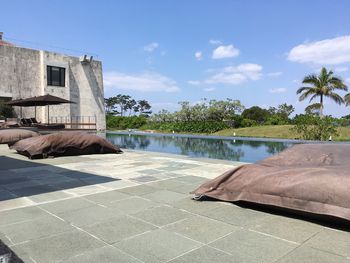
135 207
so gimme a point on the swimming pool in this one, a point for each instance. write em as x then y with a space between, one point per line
233 149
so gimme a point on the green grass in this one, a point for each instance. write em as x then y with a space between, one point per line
344 134
276 131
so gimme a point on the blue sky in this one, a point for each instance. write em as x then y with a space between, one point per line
169 51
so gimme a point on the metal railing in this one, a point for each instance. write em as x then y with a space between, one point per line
75 122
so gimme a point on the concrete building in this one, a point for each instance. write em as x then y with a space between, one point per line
27 72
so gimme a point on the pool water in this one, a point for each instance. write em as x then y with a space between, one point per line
240 149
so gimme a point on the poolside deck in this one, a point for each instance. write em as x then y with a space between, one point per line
135 207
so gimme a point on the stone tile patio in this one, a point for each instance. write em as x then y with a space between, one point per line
136 207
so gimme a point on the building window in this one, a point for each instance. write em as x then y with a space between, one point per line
56 76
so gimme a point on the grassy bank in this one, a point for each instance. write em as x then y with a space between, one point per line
276 131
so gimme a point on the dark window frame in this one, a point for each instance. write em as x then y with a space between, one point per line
59 80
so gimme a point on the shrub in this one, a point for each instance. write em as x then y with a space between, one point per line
248 123
6 111
276 120
123 122
315 128
191 126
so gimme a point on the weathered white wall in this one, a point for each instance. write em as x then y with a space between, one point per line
23 74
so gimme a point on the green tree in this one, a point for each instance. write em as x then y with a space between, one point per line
144 108
110 106
129 105
284 111
120 104
256 113
6 111
347 99
323 85
313 109
280 115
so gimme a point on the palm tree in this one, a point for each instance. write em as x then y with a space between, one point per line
323 85
347 99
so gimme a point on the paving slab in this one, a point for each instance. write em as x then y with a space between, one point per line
333 241
66 185
21 214
138 190
197 207
88 215
311 255
8 177
50 196
33 190
287 228
192 179
131 205
157 246
205 254
144 179
34 229
118 184
249 246
6 195
67 205
165 196
235 215
106 254
162 215
167 184
14 186
107 197
86 190
117 229
186 189
59 247
201 229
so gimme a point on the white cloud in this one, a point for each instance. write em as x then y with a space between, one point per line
215 42
225 52
198 55
347 80
329 51
236 75
145 82
278 90
341 69
209 89
194 82
274 74
151 47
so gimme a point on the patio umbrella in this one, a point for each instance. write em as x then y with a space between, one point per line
15 103
45 100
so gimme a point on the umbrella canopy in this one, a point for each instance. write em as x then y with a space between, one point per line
39 101
44 100
14 102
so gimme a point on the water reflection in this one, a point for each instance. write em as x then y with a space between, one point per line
227 149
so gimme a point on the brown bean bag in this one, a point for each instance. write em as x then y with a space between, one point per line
9 124
64 144
309 178
10 136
